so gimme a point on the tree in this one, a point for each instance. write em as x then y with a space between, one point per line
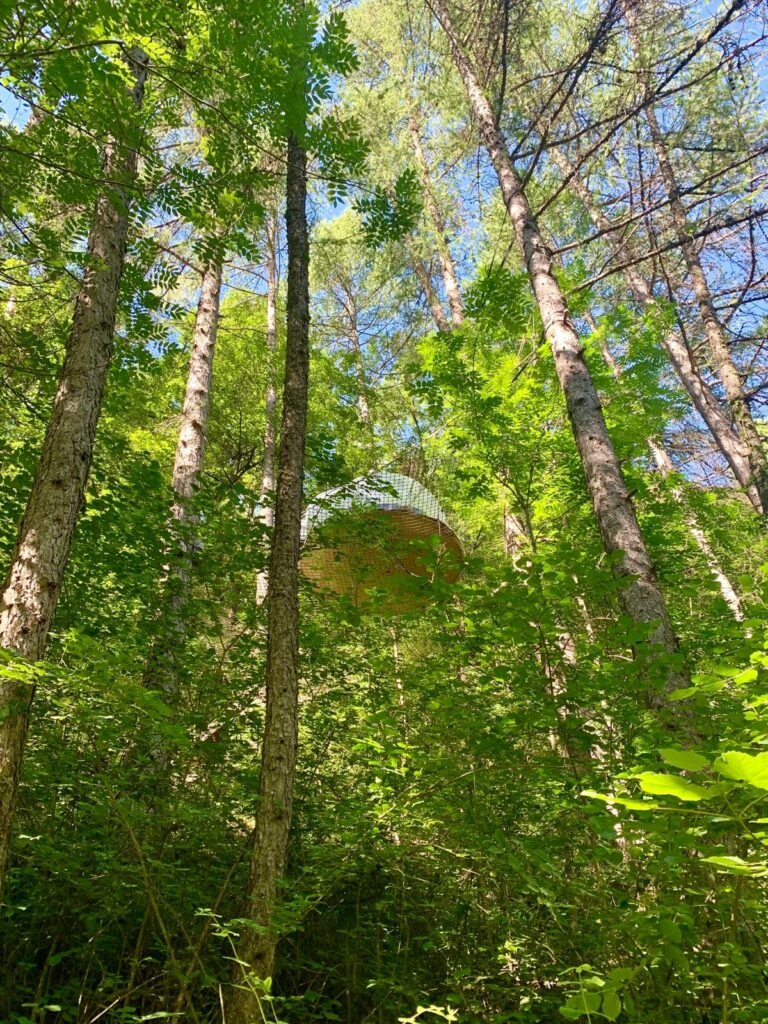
676 348
450 278
273 814
354 815
718 345
162 670
640 595
34 580
266 510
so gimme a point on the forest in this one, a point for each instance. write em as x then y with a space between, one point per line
383 511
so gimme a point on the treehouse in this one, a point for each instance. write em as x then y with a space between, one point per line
381 540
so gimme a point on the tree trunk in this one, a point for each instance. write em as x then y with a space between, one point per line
705 403
162 669
190 450
33 583
727 591
640 595
435 306
350 308
450 278
278 757
266 509
717 343
664 464
363 408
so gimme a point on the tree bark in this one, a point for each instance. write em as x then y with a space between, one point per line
350 308
640 595
278 758
190 449
714 331
727 591
266 508
33 584
705 403
664 464
435 306
162 669
450 278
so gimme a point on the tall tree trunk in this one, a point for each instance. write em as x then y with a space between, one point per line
190 449
714 331
435 306
350 308
162 669
266 508
33 584
640 595
278 757
665 466
363 409
450 277
727 590
705 403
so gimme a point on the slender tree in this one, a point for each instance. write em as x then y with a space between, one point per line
256 948
190 449
427 285
450 277
664 464
705 403
447 264
640 595
266 508
33 583
162 667
346 298
728 592
719 352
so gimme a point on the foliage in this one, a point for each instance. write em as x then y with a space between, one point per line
491 825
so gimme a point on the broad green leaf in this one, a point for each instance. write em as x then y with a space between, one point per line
751 768
747 676
621 974
682 692
737 865
686 759
580 1004
637 805
611 1007
671 785
670 931
631 805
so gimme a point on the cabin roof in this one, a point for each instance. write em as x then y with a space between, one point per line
384 490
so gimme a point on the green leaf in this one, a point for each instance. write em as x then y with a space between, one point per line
686 759
671 785
621 974
611 1007
747 676
737 865
56 959
682 692
669 930
637 805
631 805
581 1003
751 768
